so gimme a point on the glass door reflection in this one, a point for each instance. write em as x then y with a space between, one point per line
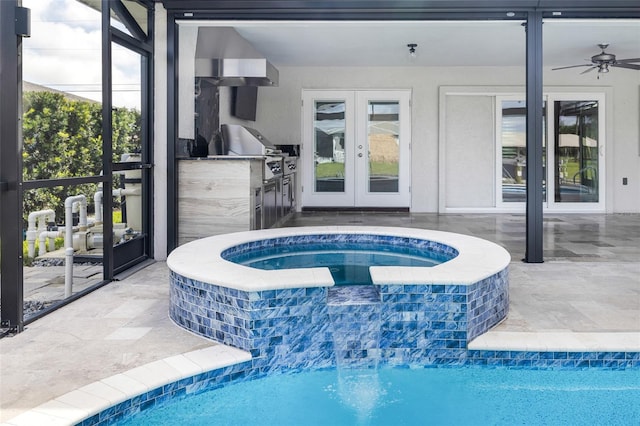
383 126
514 151
576 152
329 145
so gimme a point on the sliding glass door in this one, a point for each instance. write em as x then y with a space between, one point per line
573 152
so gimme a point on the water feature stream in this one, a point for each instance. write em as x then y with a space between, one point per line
355 315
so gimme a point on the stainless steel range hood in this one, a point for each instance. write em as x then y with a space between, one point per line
228 59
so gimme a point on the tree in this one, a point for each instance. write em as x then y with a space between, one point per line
63 138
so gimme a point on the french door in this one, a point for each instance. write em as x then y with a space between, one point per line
356 148
573 152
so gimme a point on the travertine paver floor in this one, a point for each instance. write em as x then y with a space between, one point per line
590 282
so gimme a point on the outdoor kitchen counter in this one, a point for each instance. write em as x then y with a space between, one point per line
217 195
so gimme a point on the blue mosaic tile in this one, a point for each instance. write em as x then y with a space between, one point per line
425 324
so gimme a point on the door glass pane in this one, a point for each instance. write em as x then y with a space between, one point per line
127 146
514 151
329 145
576 151
383 125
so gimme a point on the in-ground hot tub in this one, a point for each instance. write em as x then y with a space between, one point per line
421 315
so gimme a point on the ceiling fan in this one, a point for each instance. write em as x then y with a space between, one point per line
603 60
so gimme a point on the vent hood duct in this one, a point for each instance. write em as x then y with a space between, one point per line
226 58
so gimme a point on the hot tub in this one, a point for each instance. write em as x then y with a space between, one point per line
284 317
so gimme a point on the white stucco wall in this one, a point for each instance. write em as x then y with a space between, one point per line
279 115
469 151
186 71
160 136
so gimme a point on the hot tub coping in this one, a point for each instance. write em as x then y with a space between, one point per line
201 260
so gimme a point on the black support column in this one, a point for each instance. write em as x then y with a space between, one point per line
13 22
534 249
107 140
172 131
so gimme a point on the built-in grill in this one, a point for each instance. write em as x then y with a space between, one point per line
276 198
241 140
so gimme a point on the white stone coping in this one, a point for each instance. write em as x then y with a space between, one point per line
200 260
75 406
557 341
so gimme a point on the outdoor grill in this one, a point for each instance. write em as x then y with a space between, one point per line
276 198
245 141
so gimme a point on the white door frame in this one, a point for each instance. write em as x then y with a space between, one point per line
356 177
310 197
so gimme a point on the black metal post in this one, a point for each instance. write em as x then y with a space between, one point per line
11 276
107 147
148 154
172 133
534 235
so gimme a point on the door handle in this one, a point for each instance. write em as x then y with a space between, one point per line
359 154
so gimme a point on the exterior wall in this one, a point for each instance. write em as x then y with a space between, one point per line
283 124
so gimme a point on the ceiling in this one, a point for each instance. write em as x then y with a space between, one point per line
440 43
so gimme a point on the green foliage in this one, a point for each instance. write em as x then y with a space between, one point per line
62 139
324 170
117 216
28 261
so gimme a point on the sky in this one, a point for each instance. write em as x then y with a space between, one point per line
64 53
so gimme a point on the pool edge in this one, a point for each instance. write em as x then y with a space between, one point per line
68 414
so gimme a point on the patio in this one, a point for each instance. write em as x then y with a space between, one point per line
586 293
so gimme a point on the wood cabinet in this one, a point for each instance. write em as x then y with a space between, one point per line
218 195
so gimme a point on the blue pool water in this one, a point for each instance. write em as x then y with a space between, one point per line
348 262
433 396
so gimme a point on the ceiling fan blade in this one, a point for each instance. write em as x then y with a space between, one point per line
628 66
589 70
628 60
572 66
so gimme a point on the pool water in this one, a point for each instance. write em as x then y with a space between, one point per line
348 262
432 396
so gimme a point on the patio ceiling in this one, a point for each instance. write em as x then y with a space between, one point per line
440 43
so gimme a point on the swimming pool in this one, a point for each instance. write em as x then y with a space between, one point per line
441 396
